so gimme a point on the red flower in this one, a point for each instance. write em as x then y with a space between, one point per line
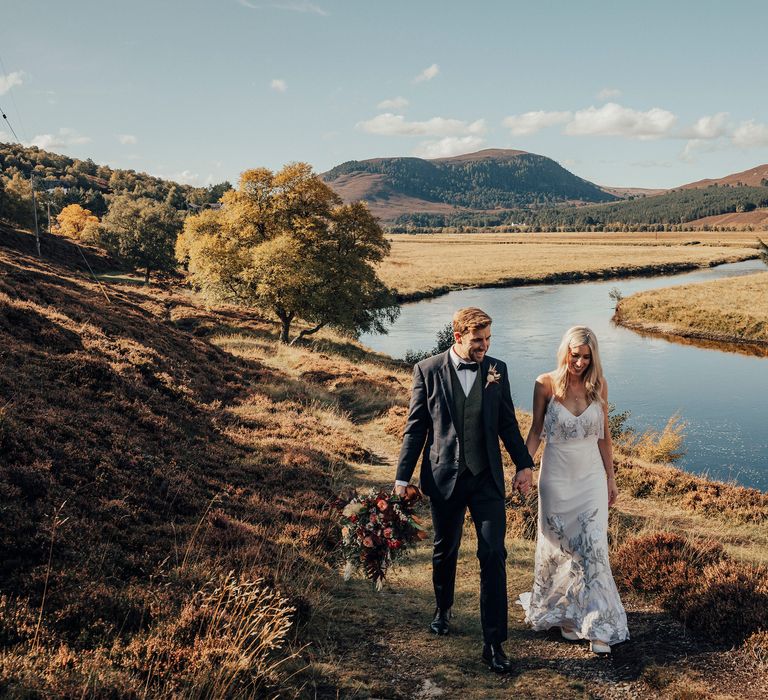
353 518
367 542
382 505
388 532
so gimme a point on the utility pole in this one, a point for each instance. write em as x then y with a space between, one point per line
49 216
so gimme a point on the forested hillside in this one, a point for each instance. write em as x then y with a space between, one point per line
663 211
60 180
490 180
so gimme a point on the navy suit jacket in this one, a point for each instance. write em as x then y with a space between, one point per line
431 432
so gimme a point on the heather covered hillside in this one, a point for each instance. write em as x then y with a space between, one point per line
157 490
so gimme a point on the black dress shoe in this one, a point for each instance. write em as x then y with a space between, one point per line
497 660
439 624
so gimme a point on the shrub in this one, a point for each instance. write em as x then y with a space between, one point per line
756 648
663 564
394 421
662 447
730 603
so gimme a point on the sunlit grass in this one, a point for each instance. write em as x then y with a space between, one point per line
426 264
729 309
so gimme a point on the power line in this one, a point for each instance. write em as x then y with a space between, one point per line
13 101
5 116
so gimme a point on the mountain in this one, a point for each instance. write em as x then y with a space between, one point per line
486 181
754 177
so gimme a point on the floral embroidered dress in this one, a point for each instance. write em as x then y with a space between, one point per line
573 585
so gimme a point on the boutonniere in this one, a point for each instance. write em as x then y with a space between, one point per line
492 377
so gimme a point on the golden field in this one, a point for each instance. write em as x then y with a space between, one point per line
729 310
428 265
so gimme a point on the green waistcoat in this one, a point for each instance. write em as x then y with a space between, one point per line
469 422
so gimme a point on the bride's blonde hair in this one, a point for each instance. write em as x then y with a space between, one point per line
593 377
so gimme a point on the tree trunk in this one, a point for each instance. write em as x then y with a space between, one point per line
285 324
307 331
146 276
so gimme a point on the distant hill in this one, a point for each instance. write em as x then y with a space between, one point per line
627 192
489 180
754 177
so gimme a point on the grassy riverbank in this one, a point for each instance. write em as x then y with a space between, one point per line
422 266
730 310
165 475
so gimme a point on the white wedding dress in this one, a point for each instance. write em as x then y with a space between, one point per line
573 585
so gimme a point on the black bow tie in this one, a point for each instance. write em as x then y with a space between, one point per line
471 366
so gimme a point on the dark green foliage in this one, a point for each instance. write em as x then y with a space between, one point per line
617 423
142 233
658 213
488 183
443 342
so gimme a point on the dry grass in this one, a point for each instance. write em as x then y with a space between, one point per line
196 456
428 265
727 310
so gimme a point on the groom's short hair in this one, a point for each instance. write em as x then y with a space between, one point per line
470 319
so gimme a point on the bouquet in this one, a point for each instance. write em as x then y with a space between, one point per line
376 528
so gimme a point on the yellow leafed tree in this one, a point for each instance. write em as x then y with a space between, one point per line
284 243
75 222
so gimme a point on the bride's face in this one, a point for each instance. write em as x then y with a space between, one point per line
579 359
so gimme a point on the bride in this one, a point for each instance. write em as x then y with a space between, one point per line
573 587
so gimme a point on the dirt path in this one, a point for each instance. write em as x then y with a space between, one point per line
386 651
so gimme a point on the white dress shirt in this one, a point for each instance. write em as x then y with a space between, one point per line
466 379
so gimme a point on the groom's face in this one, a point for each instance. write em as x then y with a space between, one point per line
473 344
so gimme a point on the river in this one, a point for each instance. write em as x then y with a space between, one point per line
722 396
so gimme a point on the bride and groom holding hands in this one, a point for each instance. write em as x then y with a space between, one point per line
461 406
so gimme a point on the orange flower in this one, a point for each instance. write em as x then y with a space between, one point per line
421 534
382 505
367 542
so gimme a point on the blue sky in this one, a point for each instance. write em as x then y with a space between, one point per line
652 94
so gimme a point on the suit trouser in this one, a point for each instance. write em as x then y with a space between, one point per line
480 494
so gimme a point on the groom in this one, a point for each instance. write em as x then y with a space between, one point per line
460 406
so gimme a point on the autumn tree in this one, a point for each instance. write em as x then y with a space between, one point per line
142 232
284 242
75 222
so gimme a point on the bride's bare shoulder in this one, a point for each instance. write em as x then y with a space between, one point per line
545 382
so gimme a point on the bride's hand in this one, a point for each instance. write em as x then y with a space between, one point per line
613 492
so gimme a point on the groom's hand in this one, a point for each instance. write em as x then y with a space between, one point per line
522 481
400 490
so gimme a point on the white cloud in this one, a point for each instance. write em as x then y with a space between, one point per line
127 139
449 146
186 177
531 122
708 127
10 80
608 94
427 73
63 139
614 120
292 5
394 103
395 125
695 146
750 134
278 85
